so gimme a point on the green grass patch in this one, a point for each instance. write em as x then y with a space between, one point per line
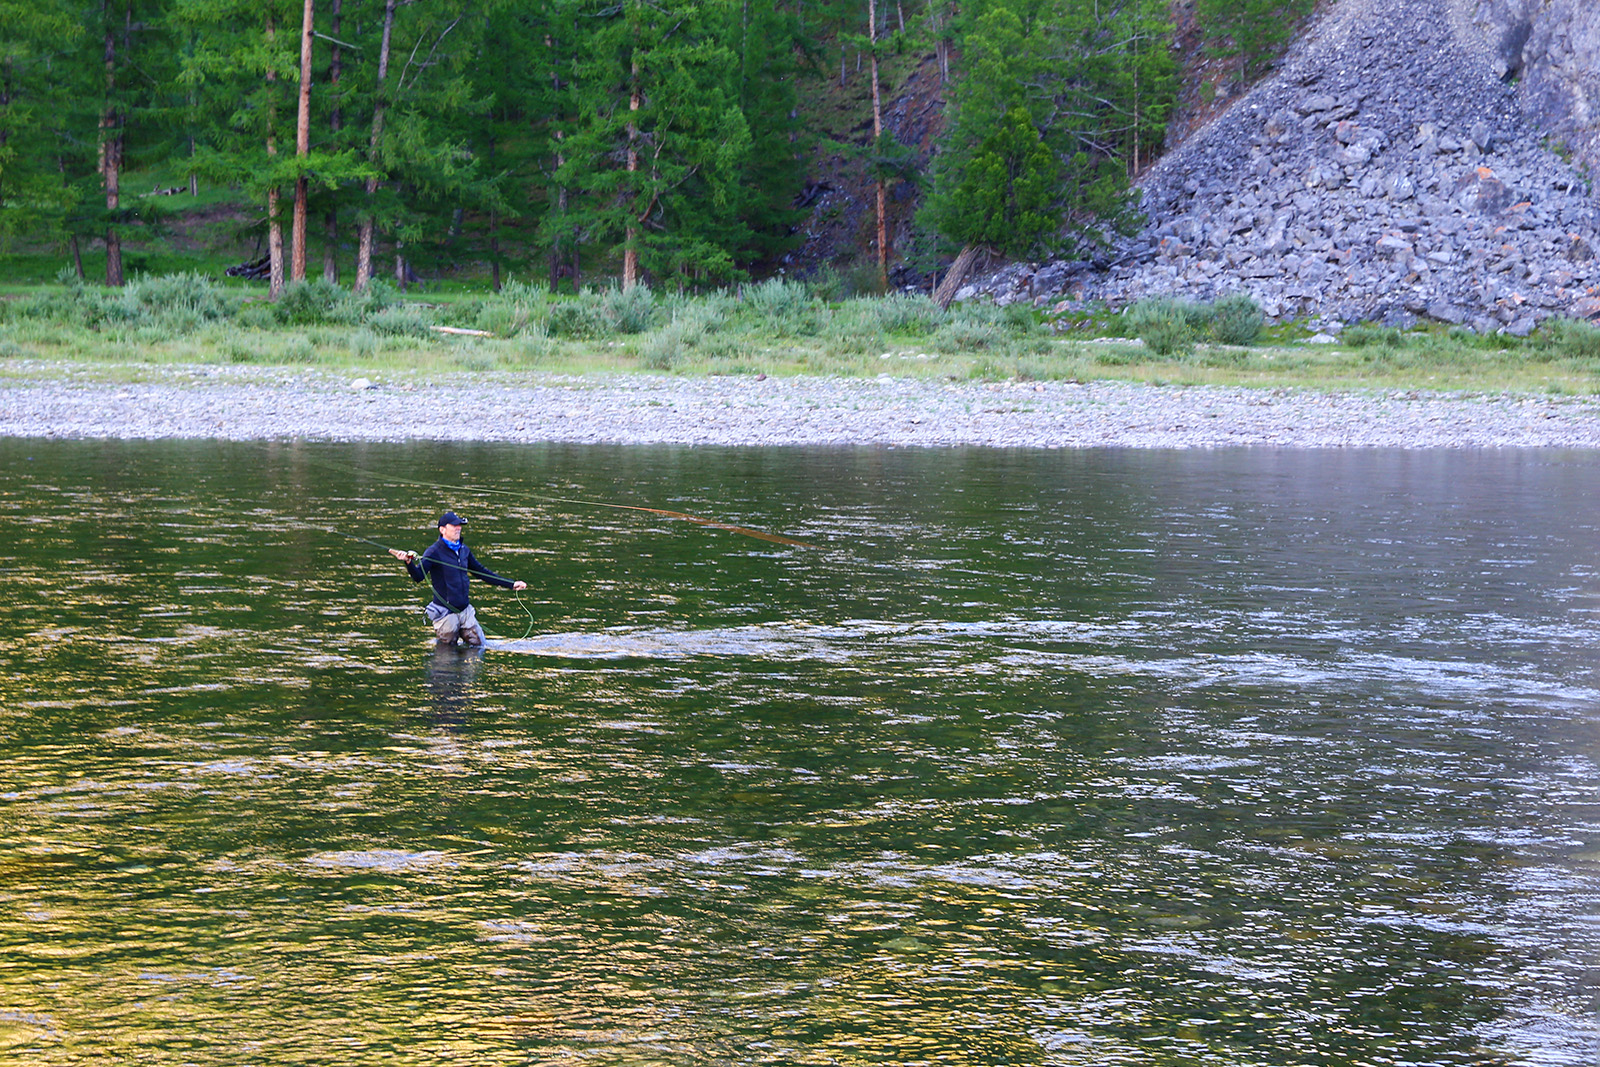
776 328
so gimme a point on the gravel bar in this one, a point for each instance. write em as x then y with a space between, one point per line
245 403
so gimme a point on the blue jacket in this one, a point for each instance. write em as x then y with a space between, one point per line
450 573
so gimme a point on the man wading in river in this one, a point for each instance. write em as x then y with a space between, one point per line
451 565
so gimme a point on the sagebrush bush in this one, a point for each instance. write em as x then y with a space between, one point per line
781 307
669 346
910 314
1236 319
1167 327
1021 318
185 301
364 343
307 303
965 335
397 322
579 317
517 307
629 310
1569 339
1366 335
854 327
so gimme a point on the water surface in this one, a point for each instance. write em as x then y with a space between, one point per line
1099 757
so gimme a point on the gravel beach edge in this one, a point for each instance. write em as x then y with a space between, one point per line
248 403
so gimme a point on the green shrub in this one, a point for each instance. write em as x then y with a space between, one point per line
861 278
965 335
666 348
1167 327
298 349
782 307
307 303
579 317
364 343
1021 318
1569 339
910 314
629 310
1366 335
183 301
398 322
854 327
257 316
533 345
1236 319
827 285
1258 30
518 306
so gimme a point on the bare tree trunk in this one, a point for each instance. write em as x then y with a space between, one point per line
274 227
494 247
364 251
877 135
956 275
330 244
302 142
630 249
111 143
561 210
561 190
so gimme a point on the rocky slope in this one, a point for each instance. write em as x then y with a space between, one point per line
1409 159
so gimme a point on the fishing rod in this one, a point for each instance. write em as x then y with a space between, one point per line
437 562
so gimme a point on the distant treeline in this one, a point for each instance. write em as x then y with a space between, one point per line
654 139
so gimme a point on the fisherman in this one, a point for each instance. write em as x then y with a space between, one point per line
450 564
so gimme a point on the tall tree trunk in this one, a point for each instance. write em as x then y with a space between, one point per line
630 248
274 227
111 144
494 246
561 210
302 142
330 246
877 135
77 249
561 161
364 249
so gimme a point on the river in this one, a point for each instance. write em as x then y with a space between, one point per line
1080 757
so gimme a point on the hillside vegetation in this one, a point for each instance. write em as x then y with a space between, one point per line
571 141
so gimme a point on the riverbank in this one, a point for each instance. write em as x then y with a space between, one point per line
256 403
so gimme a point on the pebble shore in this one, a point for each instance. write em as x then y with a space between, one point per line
244 403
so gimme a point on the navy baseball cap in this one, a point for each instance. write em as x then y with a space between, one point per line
450 518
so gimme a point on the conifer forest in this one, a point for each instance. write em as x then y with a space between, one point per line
669 142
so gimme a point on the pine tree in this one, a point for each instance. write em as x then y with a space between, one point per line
659 142
131 53
772 65
237 73
1096 81
422 172
1008 197
37 111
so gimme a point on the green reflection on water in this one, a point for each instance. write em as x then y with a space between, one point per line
1041 758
